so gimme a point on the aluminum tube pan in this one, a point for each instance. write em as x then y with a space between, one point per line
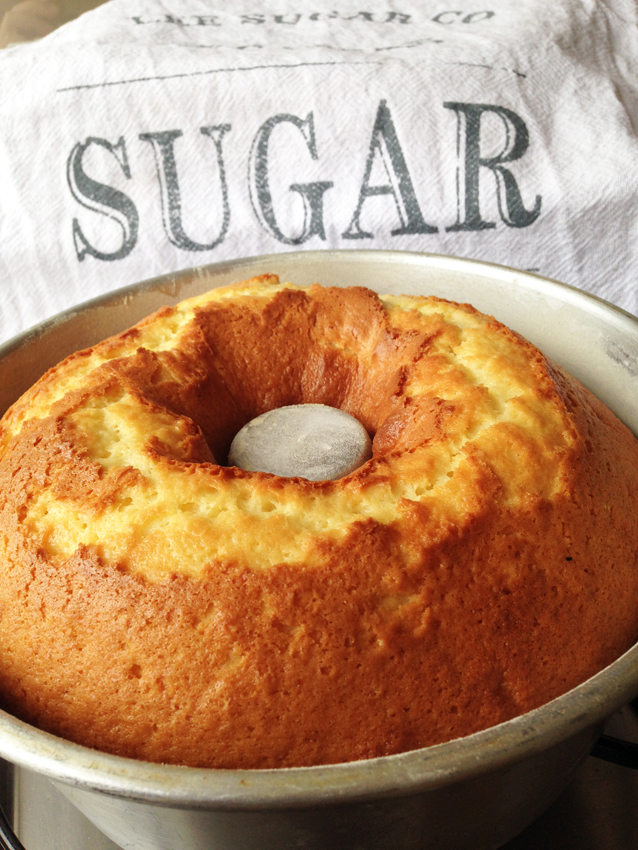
595 341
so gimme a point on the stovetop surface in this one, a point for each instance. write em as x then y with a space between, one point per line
599 811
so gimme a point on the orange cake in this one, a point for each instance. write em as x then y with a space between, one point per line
159 604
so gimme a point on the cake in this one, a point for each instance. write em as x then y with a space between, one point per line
159 604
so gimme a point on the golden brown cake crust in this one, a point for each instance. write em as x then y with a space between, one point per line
158 605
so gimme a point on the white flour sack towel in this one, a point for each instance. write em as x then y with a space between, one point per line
148 136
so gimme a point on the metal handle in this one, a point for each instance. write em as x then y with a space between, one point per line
617 751
8 839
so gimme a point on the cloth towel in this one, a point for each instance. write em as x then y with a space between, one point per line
149 136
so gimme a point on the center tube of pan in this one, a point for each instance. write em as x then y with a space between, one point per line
311 441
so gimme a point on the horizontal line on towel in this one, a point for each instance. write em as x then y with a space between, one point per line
201 73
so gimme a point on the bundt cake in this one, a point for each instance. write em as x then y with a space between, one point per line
157 603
